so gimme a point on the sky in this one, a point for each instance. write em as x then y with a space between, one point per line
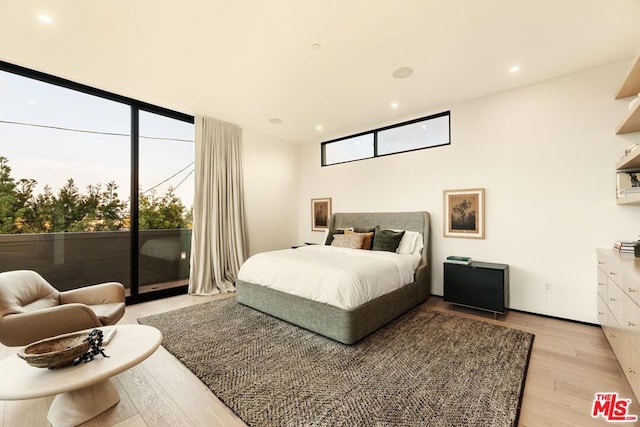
52 156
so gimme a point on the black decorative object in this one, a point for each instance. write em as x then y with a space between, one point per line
95 341
636 249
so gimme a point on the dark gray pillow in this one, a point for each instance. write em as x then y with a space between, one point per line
386 240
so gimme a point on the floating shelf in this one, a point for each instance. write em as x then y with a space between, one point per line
630 161
631 123
631 84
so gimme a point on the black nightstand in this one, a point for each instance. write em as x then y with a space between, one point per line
481 285
305 244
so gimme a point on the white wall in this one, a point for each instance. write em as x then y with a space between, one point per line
271 192
545 155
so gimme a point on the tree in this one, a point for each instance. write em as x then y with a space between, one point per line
164 212
22 211
7 197
461 209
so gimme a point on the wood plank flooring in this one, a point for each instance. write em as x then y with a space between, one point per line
570 362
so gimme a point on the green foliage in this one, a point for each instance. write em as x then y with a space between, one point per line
22 211
164 212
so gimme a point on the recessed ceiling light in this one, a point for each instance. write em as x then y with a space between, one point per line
31 102
275 120
45 18
514 69
402 73
318 127
316 46
394 105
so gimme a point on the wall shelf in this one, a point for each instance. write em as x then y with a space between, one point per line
627 200
631 84
630 161
631 123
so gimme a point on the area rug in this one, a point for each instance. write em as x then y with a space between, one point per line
426 368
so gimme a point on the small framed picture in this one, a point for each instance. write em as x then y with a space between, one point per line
320 213
464 213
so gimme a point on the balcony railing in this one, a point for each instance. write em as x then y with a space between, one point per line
72 260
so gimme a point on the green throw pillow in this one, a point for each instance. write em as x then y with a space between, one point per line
386 240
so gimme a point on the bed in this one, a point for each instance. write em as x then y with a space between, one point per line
341 324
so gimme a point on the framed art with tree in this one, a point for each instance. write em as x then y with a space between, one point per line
320 213
464 213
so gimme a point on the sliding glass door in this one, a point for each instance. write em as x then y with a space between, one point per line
65 168
165 201
94 187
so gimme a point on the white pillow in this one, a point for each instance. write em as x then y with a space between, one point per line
410 243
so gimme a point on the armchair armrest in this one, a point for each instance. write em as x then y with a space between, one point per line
25 328
104 293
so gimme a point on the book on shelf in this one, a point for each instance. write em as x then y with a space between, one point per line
628 191
624 246
458 259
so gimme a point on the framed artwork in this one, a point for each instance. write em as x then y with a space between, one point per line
320 213
464 213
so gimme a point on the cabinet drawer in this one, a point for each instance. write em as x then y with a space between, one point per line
614 301
474 297
631 322
629 359
474 277
602 284
602 311
631 286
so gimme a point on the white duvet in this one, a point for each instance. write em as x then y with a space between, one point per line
342 277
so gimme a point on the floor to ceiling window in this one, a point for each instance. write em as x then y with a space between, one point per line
165 201
70 156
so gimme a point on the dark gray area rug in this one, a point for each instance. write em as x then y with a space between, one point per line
426 368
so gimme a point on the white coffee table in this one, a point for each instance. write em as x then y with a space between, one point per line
83 391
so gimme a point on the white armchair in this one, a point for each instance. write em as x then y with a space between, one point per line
31 309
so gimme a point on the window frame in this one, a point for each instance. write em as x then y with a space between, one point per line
136 106
374 132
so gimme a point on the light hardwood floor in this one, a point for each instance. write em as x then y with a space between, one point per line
570 362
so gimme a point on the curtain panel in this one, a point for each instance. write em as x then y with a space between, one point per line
218 243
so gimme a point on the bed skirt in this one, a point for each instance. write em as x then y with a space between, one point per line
345 326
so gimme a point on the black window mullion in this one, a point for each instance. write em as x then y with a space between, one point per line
375 144
135 185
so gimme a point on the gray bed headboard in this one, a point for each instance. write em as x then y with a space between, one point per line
411 221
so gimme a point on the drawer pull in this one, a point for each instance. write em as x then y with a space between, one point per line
600 263
612 273
633 290
612 299
602 284
631 324
600 314
612 336
631 371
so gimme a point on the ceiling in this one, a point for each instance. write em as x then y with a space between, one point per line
247 62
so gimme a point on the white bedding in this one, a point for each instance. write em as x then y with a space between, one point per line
342 277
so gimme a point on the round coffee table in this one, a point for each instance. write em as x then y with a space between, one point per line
83 391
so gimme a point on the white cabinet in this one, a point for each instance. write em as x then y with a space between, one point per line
619 309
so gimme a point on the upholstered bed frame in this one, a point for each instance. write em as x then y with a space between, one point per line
349 326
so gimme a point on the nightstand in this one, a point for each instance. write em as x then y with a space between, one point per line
480 285
305 244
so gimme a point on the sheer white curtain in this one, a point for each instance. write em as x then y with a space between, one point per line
218 239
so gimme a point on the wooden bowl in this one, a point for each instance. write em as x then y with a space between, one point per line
56 352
